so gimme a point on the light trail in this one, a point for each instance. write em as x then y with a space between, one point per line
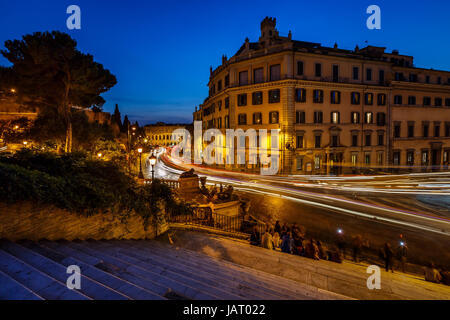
317 200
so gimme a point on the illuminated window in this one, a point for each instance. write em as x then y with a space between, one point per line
317 162
300 95
318 96
368 97
335 97
274 117
354 159
355 117
355 98
335 118
424 157
368 117
410 157
274 96
380 158
381 99
257 118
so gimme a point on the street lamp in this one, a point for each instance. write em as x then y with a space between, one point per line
141 174
25 143
152 163
99 155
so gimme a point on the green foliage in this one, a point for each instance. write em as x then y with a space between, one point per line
49 128
50 72
76 183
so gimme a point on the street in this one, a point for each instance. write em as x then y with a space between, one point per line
379 208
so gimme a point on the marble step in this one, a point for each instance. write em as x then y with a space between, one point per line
35 280
133 291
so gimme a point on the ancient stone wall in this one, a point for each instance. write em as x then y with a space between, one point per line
28 221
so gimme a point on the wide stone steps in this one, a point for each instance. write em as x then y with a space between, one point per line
127 288
133 269
227 272
160 264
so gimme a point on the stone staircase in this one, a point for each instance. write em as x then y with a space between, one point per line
135 269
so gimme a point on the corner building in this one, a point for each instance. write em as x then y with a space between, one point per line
337 111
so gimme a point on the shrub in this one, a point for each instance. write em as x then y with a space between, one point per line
76 183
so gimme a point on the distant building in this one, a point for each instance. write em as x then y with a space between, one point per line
161 133
337 110
11 110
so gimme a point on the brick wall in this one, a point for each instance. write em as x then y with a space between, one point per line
28 221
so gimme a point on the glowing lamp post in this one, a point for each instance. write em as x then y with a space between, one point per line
141 174
153 163
99 155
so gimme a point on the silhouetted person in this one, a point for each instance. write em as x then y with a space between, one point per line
340 243
277 227
402 254
388 255
255 238
267 240
432 274
322 251
286 243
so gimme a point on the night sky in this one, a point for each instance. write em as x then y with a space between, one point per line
161 51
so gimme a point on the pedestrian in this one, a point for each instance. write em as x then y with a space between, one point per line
286 243
388 255
322 250
277 227
357 244
267 240
445 277
284 229
255 238
340 242
402 254
276 240
432 274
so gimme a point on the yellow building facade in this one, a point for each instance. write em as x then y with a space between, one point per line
337 111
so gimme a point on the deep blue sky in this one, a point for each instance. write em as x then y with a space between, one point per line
161 51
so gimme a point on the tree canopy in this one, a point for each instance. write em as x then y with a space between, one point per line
51 73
